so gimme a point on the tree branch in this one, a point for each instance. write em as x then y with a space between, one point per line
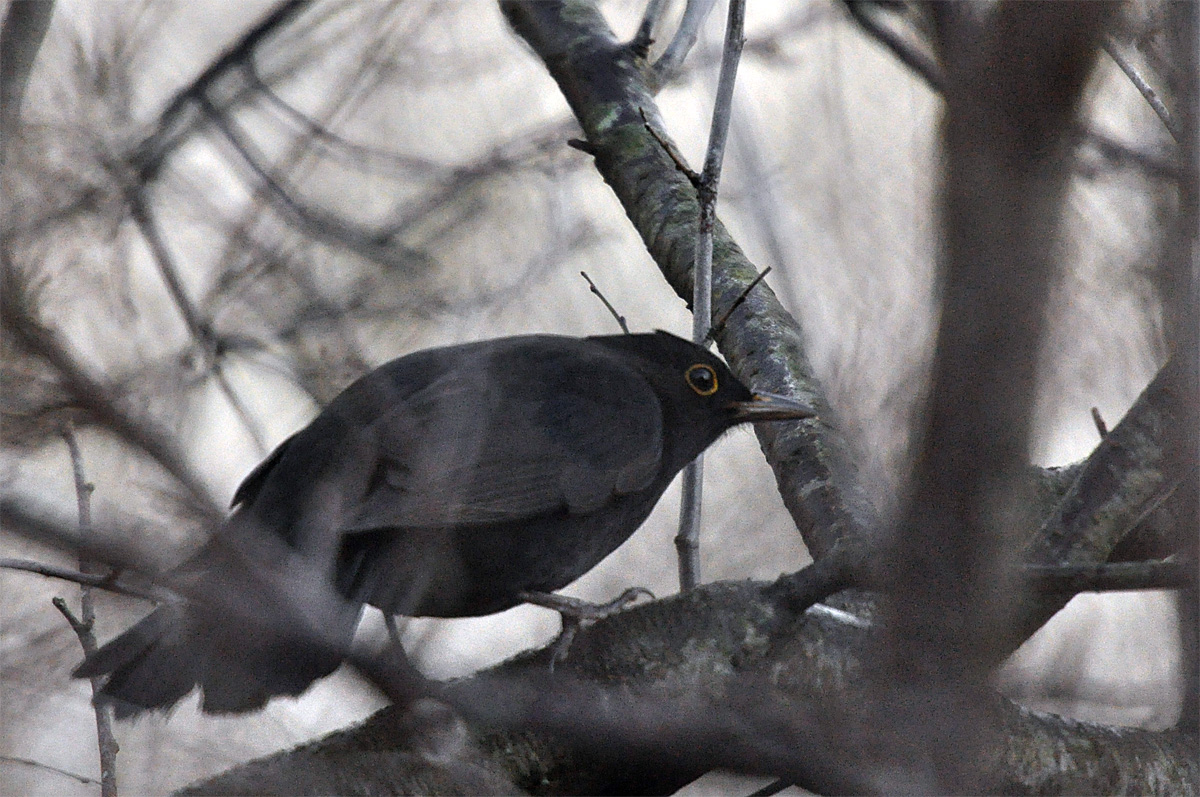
762 341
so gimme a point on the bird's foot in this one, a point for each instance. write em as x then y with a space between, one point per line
576 613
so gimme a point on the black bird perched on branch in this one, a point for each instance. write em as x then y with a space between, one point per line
445 483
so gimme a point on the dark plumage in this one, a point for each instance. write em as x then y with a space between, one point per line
444 484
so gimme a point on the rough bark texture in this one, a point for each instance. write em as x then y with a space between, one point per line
710 641
603 82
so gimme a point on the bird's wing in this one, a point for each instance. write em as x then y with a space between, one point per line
561 434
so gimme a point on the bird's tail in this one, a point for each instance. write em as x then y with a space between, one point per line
265 622
176 648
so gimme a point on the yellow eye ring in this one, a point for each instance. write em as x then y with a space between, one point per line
702 379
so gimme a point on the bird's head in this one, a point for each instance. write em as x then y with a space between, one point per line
697 390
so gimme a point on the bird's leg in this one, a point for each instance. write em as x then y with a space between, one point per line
576 613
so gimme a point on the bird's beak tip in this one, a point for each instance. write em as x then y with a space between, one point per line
771 407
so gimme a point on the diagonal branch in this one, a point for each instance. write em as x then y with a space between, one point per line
763 343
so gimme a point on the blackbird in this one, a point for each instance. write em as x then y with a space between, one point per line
445 483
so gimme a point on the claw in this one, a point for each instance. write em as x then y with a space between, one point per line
576 613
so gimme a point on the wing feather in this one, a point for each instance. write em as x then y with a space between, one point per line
508 438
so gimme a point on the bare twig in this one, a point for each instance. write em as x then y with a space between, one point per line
357 156
672 151
1139 82
1098 419
84 624
919 62
620 318
93 396
645 32
139 209
174 123
95 580
38 764
669 63
240 409
724 319
374 245
1121 154
687 542
200 328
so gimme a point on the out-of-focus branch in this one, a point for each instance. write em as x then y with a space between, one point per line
671 61
21 33
178 120
866 14
1179 281
94 398
869 16
139 209
322 225
1013 80
672 717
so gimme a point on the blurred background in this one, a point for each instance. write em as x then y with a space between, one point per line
377 178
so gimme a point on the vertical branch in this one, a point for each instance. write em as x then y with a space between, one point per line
1013 80
687 542
1180 290
21 33
83 625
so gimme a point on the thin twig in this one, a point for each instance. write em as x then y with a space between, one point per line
11 759
361 157
724 319
173 123
669 63
371 244
1101 426
620 318
687 542
139 209
95 397
1149 94
914 59
105 582
645 32
1121 154
84 624
239 408
672 151
199 327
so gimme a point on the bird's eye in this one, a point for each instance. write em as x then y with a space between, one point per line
702 379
